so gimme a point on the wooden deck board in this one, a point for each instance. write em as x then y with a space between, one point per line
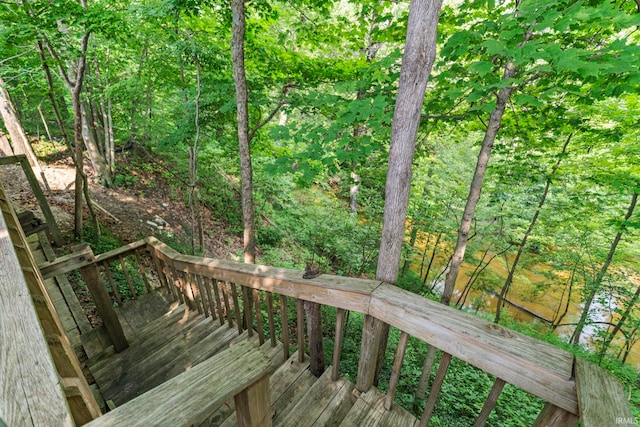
368 411
131 376
317 404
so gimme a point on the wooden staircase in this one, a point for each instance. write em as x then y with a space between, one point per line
182 338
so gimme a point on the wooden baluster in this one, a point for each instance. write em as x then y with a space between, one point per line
202 298
551 415
435 389
490 403
314 330
104 305
123 264
257 301
225 296
142 271
216 294
206 283
395 373
285 326
272 326
421 390
188 291
160 272
337 348
371 332
174 278
236 306
247 307
114 287
300 330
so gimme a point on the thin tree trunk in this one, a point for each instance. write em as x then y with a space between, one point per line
418 58
495 120
239 77
558 318
523 242
95 154
621 322
51 92
595 286
44 121
75 88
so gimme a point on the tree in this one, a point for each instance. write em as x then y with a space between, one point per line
418 58
239 77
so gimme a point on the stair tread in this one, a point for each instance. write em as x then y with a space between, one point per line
326 402
369 411
155 351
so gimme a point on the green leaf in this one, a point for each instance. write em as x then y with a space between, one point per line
481 67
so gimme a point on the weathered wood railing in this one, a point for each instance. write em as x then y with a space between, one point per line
241 372
260 300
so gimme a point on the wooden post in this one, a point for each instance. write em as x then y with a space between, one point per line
371 333
490 403
253 404
601 398
337 346
37 191
551 415
395 373
300 329
104 305
435 389
314 330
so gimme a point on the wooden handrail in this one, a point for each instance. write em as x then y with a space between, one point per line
240 371
537 367
31 393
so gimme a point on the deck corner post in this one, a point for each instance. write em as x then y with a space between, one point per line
104 305
253 404
314 330
371 335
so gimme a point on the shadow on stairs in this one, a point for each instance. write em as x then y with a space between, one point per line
180 339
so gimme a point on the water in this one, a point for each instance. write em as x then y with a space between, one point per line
532 297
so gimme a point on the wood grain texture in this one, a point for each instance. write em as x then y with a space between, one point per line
536 367
190 397
601 397
30 391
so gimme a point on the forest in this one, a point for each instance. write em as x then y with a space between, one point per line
286 123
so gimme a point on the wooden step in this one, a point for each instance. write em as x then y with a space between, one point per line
325 403
135 315
171 325
189 398
124 377
368 410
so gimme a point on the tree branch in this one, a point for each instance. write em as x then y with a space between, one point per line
267 120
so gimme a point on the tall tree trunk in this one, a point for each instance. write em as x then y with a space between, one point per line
75 88
19 139
89 135
523 241
418 58
495 120
51 93
595 286
417 61
248 211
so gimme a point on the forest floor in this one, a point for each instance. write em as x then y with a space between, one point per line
128 211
